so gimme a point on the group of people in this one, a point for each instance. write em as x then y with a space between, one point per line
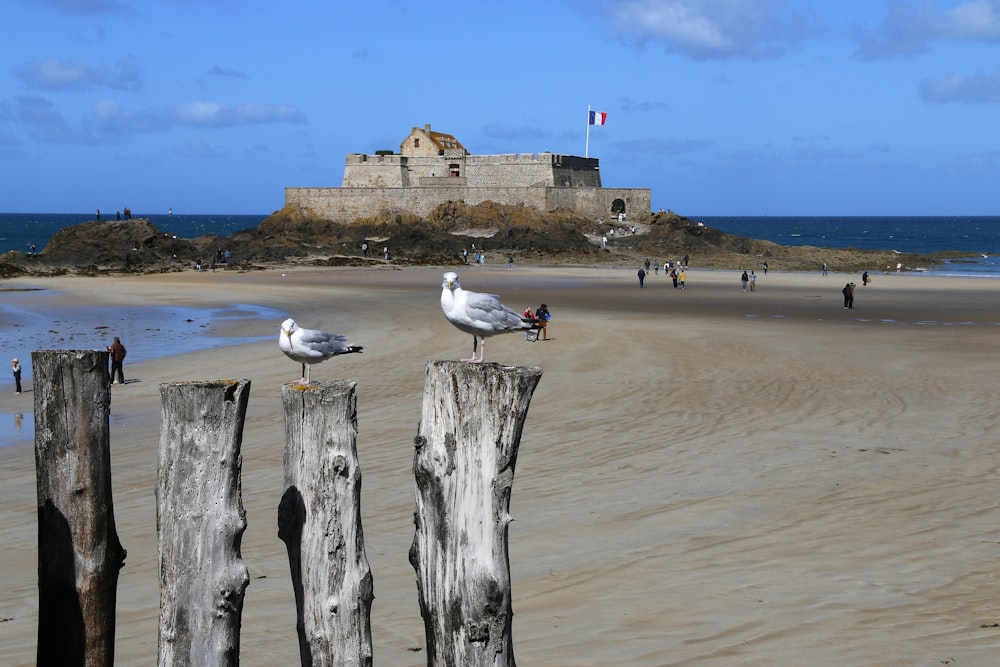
677 273
220 257
540 317
118 214
116 356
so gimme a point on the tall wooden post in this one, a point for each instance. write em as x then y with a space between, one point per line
319 520
79 555
466 448
200 522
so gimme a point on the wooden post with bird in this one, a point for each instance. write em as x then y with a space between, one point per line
319 520
79 554
465 453
200 522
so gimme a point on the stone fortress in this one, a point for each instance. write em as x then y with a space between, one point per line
432 168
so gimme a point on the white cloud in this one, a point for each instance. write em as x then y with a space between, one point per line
56 75
977 20
704 29
909 27
978 89
207 113
109 117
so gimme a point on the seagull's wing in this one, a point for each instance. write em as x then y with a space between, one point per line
485 313
316 345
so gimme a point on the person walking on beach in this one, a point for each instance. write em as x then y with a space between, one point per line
642 277
825 268
118 352
864 279
753 280
744 279
543 316
682 278
673 276
848 296
765 268
15 366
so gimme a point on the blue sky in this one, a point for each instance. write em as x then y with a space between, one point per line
721 107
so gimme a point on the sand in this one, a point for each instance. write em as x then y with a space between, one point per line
706 476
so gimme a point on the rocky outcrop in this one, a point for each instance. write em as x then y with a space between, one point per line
137 246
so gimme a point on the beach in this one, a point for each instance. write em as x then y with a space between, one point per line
706 476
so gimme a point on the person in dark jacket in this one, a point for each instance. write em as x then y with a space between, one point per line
848 295
117 352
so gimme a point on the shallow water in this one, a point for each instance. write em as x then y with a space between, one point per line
28 322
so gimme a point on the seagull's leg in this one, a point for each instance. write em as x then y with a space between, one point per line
303 378
475 343
308 368
482 350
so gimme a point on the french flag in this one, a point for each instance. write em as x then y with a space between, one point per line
598 117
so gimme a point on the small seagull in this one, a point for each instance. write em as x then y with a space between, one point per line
481 315
309 346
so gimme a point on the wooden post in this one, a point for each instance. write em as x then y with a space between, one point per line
319 520
200 522
466 448
79 555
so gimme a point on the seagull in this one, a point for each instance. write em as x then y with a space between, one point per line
481 315
309 346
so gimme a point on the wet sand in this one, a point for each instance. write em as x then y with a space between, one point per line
706 476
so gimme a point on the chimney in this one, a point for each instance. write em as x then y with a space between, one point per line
427 128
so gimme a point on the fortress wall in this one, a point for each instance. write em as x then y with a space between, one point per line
348 204
483 171
374 171
596 202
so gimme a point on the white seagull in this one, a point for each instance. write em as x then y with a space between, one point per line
309 346
481 315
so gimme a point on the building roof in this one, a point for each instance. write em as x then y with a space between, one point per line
441 140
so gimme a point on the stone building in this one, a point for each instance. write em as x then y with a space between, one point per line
433 167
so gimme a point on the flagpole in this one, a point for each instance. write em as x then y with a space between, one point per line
586 151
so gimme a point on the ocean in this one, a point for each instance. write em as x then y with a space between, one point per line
978 236
19 230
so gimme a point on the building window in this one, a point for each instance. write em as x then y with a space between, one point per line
454 170
416 143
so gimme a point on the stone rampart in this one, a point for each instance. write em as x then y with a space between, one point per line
480 171
348 204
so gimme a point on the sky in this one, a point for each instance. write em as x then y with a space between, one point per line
720 107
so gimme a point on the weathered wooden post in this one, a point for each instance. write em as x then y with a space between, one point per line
466 448
79 555
319 520
200 522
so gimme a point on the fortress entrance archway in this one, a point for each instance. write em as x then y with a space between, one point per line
618 206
